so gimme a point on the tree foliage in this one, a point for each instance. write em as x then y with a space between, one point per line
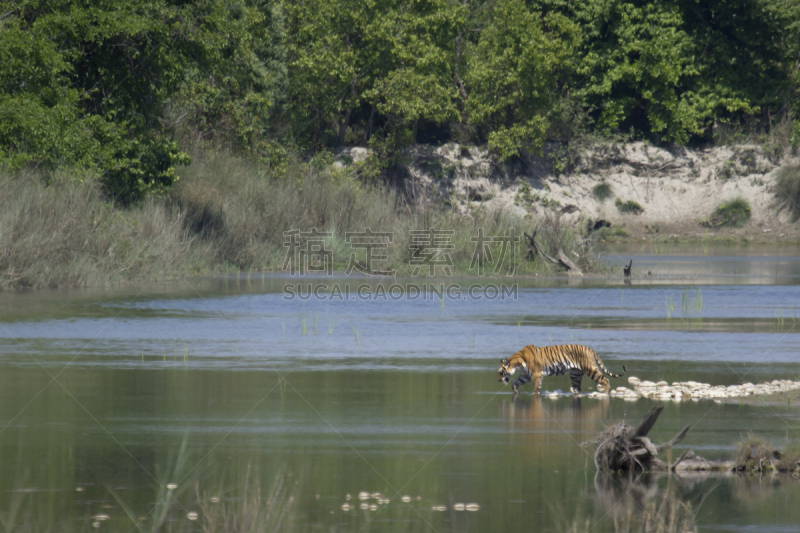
665 71
108 85
88 84
515 70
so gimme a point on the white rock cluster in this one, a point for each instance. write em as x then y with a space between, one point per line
692 390
364 496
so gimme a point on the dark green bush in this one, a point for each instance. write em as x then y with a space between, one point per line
602 191
629 208
734 214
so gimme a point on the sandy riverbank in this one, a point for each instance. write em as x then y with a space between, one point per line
677 188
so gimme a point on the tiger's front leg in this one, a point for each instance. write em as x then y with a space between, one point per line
576 374
522 380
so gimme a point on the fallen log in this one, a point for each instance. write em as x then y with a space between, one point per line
689 462
625 449
628 449
573 269
562 260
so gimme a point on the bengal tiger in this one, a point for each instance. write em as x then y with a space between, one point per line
537 362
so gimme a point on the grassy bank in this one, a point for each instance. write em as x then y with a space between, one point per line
62 232
226 214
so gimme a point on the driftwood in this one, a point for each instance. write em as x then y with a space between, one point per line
625 448
573 269
563 260
627 269
622 448
689 462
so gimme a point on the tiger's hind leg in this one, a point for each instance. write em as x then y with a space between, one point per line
575 375
601 380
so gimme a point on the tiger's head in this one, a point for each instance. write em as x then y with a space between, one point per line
505 371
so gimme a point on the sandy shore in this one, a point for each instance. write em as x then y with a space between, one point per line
677 189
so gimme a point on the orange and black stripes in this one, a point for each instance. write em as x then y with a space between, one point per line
536 362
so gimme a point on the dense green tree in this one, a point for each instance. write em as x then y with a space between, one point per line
41 120
420 87
514 74
638 64
87 84
747 53
379 63
667 70
107 85
230 91
336 50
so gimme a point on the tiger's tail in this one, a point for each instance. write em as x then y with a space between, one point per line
604 369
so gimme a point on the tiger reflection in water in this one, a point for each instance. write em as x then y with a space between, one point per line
550 431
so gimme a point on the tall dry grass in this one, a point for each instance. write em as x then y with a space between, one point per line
227 201
64 233
226 213
244 214
787 188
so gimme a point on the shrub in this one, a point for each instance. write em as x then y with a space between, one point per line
787 186
601 234
790 458
754 454
734 214
629 208
602 191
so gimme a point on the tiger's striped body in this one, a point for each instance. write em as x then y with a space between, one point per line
536 362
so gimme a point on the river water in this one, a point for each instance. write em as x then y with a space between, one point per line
227 387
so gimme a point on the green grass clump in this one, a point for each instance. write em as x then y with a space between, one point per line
629 208
734 214
790 458
602 191
754 454
787 187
